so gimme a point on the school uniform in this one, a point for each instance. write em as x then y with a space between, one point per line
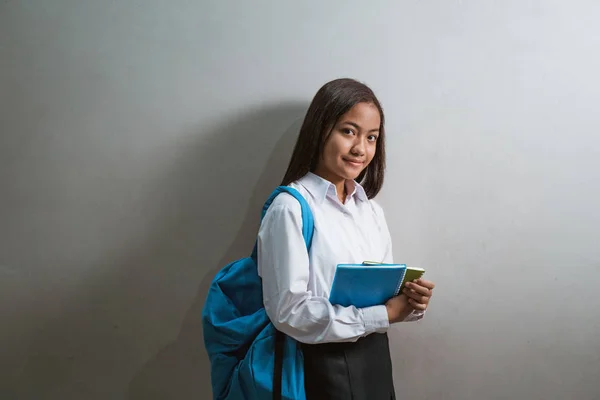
346 350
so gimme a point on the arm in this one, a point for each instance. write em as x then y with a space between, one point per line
284 267
415 315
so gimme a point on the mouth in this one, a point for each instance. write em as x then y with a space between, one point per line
354 163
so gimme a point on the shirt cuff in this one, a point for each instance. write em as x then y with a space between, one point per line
414 316
375 319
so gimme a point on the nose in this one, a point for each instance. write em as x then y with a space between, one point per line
358 147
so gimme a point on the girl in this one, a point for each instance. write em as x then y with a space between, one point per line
338 166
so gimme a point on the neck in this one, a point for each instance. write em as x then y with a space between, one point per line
340 188
338 182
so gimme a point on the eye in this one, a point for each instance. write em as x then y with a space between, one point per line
372 138
347 131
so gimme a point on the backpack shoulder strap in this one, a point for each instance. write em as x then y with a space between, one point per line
307 233
307 217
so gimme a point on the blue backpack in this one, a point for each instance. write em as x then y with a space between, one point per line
249 358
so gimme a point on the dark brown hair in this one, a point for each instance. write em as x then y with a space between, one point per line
332 101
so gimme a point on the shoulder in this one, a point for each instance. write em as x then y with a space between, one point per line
377 209
287 206
288 202
284 203
379 217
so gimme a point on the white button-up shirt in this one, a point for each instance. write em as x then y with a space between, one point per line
297 283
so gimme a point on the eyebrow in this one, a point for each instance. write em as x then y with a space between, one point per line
354 124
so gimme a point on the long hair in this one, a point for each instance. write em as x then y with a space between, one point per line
333 100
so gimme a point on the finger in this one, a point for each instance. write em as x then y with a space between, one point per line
428 284
411 294
416 305
419 289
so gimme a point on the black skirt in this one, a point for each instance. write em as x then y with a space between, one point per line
360 370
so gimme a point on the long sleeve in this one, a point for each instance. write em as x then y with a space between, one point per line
416 315
284 267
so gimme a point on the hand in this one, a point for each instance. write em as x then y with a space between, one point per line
398 308
419 293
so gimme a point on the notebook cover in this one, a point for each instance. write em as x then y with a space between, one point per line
363 285
412 274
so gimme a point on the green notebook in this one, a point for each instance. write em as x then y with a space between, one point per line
411 274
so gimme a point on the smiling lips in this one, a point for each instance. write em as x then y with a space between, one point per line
355 163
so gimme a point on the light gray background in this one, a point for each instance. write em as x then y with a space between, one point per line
139 139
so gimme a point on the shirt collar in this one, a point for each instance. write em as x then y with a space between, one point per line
359 192
319 187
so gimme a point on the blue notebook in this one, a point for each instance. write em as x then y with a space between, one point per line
365 285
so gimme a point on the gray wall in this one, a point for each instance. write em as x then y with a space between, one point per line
139 138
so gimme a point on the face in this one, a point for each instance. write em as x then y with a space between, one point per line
351 145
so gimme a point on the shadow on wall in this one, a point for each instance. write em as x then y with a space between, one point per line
181 370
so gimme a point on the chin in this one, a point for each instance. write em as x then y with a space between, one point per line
350 175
